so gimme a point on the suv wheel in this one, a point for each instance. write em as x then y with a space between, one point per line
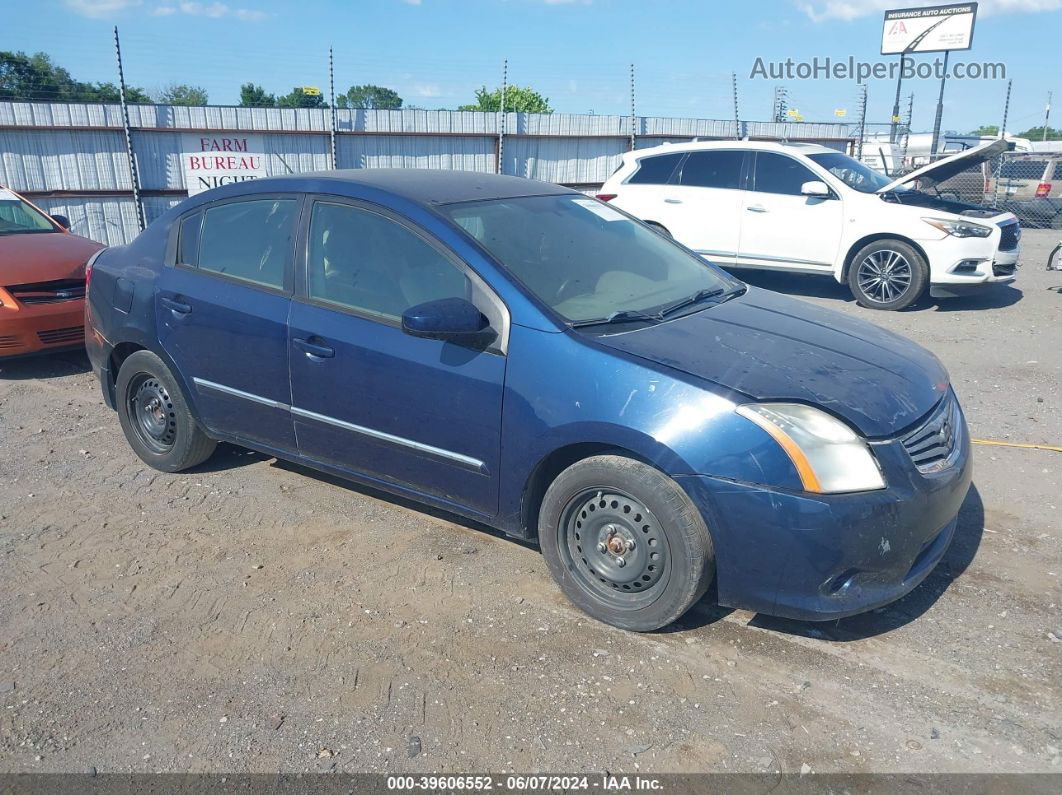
625 543
155 417
887 274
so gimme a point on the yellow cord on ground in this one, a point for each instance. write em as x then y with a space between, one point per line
1018 444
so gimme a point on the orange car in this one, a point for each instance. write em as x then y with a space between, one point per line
42 280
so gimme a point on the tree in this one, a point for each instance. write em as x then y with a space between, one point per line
369 97
1037 134
522 100
252 96
298 98
35 77
182 94
986 131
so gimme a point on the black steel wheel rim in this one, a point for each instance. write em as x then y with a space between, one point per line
884 276
615 547
151 413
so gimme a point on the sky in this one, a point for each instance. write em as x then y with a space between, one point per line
435 53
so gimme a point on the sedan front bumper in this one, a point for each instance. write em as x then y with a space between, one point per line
819 557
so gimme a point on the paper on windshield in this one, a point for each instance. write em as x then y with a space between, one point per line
601 210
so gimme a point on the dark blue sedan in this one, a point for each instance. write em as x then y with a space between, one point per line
538 361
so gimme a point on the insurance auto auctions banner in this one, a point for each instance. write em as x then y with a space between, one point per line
214 159
929 29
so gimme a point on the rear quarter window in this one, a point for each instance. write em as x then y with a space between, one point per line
655 170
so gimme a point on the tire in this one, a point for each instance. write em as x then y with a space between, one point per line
609 508
887 274
663 230
1054 259
155 416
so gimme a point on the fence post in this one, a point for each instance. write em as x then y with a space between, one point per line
862 121
634 119
1006 111
737 117
907 126
134 173
332 103
501 124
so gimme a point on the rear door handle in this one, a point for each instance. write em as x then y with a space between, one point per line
313 350
756 208
177 307
673 201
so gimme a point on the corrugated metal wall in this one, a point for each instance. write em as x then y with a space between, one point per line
71 159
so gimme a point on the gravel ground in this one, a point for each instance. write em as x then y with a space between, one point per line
253 616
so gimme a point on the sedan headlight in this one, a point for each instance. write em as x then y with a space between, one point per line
959 228
828 455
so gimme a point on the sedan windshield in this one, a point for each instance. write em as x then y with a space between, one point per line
853 173
589 262
18 217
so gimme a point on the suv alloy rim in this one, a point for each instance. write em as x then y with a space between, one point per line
614 546
884 276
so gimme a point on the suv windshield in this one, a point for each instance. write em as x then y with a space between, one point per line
853 173
589 262
19 218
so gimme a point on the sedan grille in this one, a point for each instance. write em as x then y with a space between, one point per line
1011 234
59 335
934 445
8 342
53 292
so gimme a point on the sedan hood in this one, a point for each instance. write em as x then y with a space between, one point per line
30 258
772 347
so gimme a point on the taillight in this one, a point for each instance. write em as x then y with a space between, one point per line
88 267
1042 190
606 197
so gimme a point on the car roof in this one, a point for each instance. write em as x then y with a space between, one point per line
794 147
426 186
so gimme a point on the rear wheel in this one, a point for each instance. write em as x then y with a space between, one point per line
625 543
155 417
887 274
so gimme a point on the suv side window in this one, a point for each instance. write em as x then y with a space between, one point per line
365 261
655 170
780 174
711 169
248 240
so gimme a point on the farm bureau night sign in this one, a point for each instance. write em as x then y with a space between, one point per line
211 161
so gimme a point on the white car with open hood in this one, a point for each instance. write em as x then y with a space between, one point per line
810 209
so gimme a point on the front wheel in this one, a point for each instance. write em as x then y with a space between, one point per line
155 417
887 274
625 543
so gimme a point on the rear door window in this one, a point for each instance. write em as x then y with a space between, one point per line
720 169
780 174
248 240
655 170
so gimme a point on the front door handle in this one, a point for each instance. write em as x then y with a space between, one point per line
177 307
756 208
673 201
313 350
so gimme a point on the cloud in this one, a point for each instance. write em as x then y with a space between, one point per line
100 8
427 90
214 11
847 10
163 11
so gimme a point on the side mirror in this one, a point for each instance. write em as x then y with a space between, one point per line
815 189
63 221
453 319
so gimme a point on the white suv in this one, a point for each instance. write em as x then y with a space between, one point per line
810 209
